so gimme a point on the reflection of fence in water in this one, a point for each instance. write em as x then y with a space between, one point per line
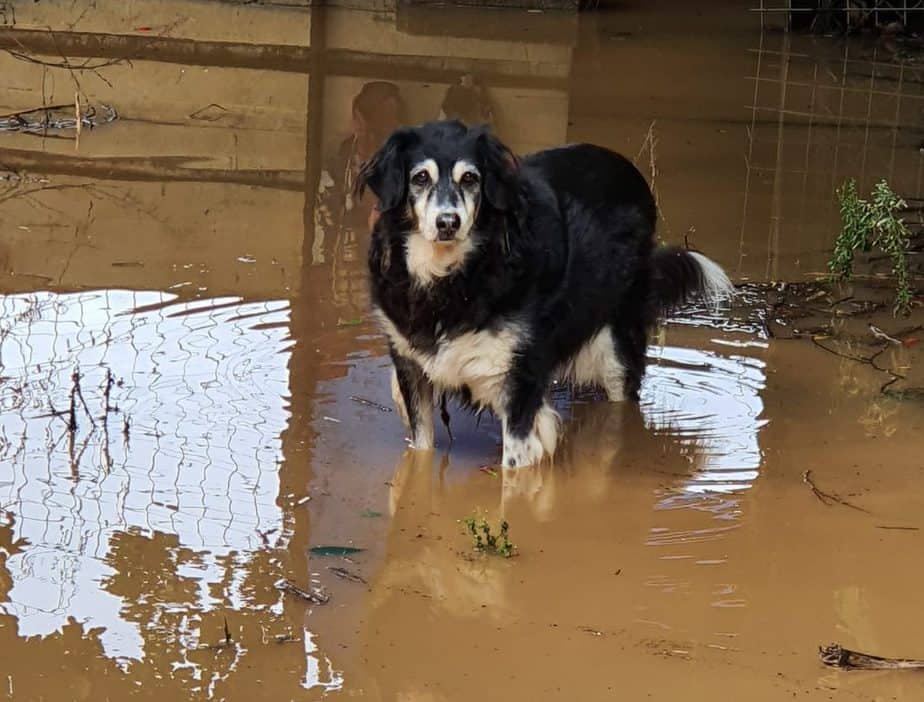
203 391
825 110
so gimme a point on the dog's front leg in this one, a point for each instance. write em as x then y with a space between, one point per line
413 395
531 425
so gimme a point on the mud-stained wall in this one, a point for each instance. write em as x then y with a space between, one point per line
257 23
184 237
547 109
202 151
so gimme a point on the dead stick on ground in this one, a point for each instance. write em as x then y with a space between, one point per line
870 361
48 108
369 403
346 574
65 63
836 656
227 642
827 498
317 595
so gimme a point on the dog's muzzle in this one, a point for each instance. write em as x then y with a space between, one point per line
447 225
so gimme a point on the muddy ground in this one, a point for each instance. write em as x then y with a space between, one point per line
194 402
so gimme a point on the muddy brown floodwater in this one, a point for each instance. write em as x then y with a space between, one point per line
227 426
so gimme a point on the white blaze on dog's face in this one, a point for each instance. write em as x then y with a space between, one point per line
436 183
444 199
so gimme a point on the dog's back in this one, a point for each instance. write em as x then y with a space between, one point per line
599 179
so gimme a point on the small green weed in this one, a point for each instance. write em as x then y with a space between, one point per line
873 223
485 540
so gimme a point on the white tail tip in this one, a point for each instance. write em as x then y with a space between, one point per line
717 287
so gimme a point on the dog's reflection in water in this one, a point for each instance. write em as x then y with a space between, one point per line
606 451
606 446
434 593
602 442
589 453
423 553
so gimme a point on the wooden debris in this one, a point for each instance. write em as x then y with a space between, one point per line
317 595
227 642
370 403
837 656
346 574
826 497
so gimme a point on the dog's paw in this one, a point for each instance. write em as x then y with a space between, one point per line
521 452
423 441
540 442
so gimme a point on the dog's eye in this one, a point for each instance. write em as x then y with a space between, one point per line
420 178
469 178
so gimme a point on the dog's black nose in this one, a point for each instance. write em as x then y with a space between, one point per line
447 224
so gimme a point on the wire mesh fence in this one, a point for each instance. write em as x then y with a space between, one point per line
824 111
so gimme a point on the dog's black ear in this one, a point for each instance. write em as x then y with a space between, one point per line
500 170
385 174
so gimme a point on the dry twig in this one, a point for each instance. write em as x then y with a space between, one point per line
827 498
837 656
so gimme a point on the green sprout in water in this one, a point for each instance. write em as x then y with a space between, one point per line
873 223
484 540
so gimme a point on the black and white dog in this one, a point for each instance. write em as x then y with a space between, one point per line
494 276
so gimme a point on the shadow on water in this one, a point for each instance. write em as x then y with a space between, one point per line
199 264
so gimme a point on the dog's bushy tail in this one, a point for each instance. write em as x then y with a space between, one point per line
679 275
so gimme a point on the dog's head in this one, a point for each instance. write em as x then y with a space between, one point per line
443 176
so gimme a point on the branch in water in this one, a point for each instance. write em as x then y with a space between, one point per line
836 656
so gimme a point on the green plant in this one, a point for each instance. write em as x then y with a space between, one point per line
873 223
485 540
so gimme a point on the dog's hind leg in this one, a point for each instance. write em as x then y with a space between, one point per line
413 396
599 364
631 345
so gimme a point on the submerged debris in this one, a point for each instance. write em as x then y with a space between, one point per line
42 120
828 498
316 595
837 656
847 322
345 574
369 403
913 394
227 642
335 551
286 638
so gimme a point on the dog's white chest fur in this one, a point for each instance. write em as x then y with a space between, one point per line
477 360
